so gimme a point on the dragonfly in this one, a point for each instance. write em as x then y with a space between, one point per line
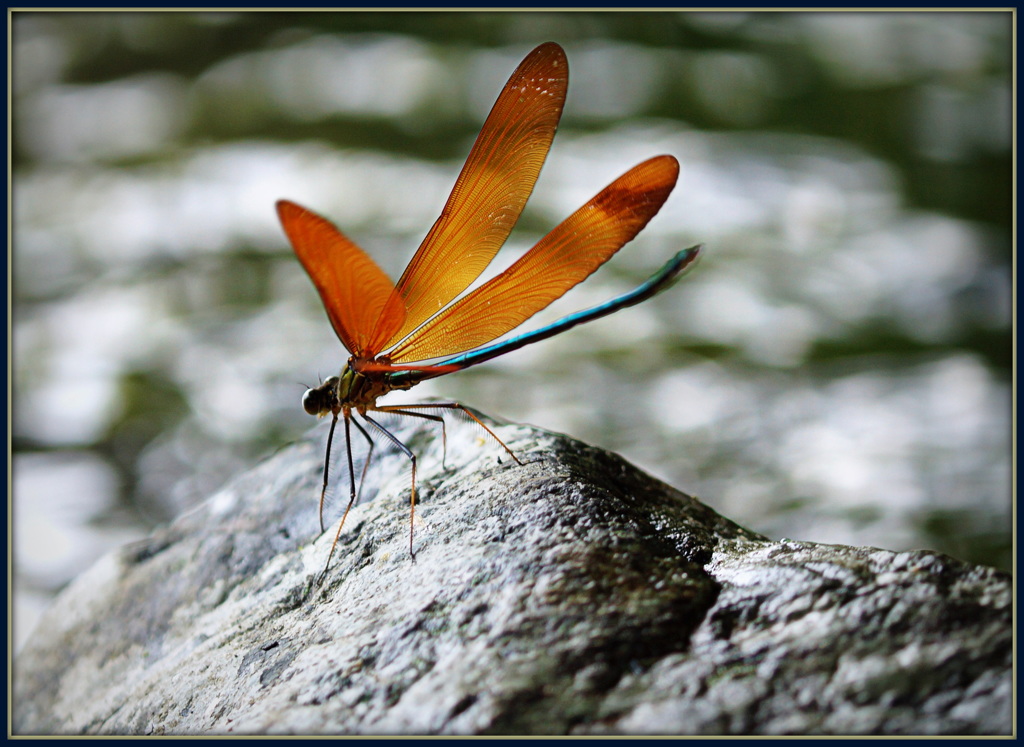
425 326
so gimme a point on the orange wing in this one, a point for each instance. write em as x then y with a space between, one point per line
563 258
488 196
352 286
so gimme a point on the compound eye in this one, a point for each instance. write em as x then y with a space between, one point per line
312 401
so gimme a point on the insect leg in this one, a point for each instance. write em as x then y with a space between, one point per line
369 453
404 410
352 490
412 458
327 465
463 408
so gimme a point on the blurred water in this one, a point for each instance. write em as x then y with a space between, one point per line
836 369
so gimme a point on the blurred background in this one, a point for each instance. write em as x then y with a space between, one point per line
838 367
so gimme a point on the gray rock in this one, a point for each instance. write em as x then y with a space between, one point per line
572 594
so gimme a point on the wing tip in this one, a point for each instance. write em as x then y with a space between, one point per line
287 209
551 48
666 163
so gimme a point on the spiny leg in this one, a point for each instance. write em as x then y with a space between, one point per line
412 458
404 410
327 466
366 462
463 408
352 490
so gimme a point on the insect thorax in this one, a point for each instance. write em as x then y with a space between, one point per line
362 388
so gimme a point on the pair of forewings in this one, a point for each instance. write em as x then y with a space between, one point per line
415 319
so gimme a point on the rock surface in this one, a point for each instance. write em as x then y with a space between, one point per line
572 594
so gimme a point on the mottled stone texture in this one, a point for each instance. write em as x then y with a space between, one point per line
570 595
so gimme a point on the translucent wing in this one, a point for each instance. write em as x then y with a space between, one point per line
563 258
352 286
488 196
